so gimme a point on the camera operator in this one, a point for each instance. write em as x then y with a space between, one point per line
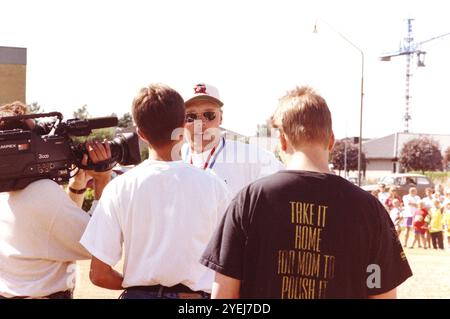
40 226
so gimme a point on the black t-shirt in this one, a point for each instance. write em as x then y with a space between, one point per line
307 235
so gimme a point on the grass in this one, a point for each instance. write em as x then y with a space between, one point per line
430 275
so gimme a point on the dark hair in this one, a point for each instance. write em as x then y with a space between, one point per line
157 111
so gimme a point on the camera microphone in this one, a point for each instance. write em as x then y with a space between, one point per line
102 122
83 127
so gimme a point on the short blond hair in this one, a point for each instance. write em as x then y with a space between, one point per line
13 109
304 117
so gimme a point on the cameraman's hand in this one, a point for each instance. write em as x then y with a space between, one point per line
99 152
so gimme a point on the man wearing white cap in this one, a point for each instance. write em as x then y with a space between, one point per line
238 164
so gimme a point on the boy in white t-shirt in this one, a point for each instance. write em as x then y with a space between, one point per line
383 195
162 212
411 204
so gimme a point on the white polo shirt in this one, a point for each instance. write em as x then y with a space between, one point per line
163 213
40 229
411 204
238 164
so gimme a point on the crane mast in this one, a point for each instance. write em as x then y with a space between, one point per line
409 48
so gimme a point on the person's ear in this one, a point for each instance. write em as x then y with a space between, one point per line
141 135
221 117
283 141
331 142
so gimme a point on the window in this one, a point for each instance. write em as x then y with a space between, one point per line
422 181
387 180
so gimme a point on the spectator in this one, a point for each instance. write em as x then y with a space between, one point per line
392 195
383 195
411 204
436 225
268 244
428 199
439 193
420 225
396 214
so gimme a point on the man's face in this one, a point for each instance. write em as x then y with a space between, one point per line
203 119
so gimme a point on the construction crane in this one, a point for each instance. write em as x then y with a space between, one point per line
409 48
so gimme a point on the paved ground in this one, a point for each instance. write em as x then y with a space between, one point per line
431 277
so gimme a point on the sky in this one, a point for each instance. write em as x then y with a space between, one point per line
100 53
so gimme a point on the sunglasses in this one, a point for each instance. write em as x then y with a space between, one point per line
209 116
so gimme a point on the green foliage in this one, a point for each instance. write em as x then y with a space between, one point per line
81 113
126 120
144 154
447 159
436 177
97 135
88 199
35 108
421 154
338 156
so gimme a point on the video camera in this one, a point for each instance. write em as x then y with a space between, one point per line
48 151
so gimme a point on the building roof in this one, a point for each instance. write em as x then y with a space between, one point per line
390 146
232 133
10 55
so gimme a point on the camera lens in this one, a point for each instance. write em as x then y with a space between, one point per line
125 149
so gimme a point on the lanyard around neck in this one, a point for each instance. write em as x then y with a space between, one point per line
210 156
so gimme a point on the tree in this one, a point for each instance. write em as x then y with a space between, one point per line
35 108
421 154
338 156
447 159
82 113
97 134
126 120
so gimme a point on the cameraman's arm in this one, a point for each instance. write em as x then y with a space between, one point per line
77 186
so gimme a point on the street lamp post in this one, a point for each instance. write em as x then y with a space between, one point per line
362 92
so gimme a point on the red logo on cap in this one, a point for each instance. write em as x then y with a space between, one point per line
200 88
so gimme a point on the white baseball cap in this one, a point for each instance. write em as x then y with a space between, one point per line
204 91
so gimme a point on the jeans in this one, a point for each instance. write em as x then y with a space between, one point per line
144 294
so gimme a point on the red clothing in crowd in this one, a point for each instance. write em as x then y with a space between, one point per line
419 220
388 203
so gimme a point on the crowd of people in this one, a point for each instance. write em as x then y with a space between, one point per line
428 218
204 216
